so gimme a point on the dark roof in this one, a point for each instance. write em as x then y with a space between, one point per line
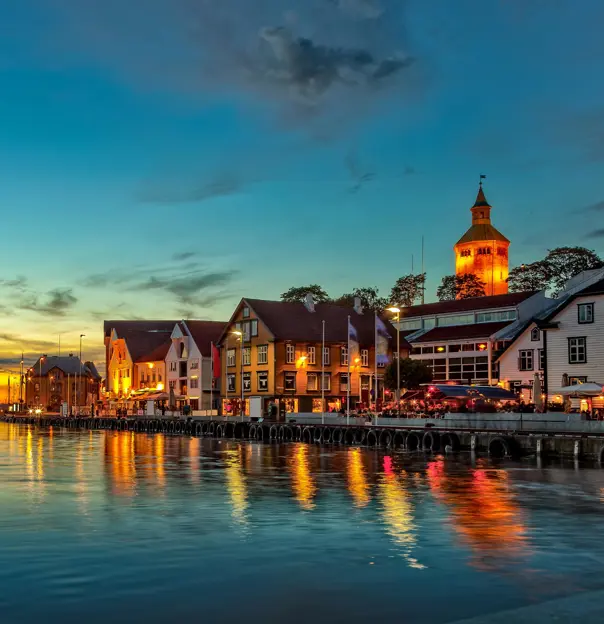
292 321
204 333
69 364
597 288
481 200
148 346
93 371
462 332
125 326
475 304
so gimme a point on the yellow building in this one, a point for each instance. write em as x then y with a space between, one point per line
483 250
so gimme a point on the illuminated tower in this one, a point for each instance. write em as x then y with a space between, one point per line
483 250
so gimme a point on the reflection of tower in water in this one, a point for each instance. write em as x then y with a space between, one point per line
398 513
302 481
483 511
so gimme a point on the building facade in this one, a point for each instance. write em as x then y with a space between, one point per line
54 380
190 364
275 350
483 250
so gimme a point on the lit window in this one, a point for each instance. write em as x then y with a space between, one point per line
525 360
364 357
231 357
262 351
577 350
290 354
586 313
312 355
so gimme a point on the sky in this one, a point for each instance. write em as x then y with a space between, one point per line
163 159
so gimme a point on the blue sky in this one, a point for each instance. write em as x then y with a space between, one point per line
166 157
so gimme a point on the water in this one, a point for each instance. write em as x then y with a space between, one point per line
119 526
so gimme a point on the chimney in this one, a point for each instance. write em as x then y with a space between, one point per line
358 306
309 302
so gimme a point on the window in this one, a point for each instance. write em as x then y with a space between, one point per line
344 356
364 357
254 327
541 359
194 364
414 324
326 357
577 350
427 349
326 382
465 253
312 382
290 354
343 382
246 312
290 381
262 381
525 359
231 382
247 356
455 319
586 313
535 334
466 368
262 351
247 382
231 357
172 384
172 367
312 355
454 348
194 383
573 381
492 317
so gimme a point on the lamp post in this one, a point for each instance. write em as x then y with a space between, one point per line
240 334
42 358
397 318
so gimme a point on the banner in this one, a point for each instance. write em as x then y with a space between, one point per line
215 362
382 340
353 345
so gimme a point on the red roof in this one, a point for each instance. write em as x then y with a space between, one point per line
462 332
293 321
205 333
475 304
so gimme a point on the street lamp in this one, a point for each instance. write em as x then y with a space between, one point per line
240 334
42 358
397 319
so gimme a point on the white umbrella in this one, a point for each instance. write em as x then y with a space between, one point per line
589 389
537 395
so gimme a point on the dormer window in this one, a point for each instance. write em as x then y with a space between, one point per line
535 334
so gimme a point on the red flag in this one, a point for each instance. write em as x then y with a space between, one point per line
215 362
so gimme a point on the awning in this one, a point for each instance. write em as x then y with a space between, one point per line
589 389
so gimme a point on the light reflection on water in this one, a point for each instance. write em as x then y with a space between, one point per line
171 527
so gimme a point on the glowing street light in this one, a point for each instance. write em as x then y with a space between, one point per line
397 318
238 333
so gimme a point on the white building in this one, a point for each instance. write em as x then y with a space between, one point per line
460 339
564 343
189 364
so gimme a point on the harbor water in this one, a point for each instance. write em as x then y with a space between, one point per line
104 526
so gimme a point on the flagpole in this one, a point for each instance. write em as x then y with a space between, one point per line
348 378
323 375
211 377
375 365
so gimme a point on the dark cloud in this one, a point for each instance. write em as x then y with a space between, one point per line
596 233
54 303
167 193
19 283
184 255
597 207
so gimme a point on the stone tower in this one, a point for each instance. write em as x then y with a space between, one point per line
483 250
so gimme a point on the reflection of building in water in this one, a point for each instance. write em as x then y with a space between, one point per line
356 476
398 513
119 458
236 485
302 481
482 510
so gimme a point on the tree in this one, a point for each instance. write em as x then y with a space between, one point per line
407 290
413 374
370 299
463 286
552 273
534 276
447 291
297 294
468 286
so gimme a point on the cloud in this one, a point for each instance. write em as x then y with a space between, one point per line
359 176
184 255
596 234
167 193
54 303
597 207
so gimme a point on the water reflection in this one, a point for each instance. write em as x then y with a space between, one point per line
483 511
236 485
303 484
358 486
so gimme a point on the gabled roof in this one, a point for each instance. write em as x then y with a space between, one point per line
127 326
205 333
597 288
68 364
475 304
148 346
293 321
461 332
